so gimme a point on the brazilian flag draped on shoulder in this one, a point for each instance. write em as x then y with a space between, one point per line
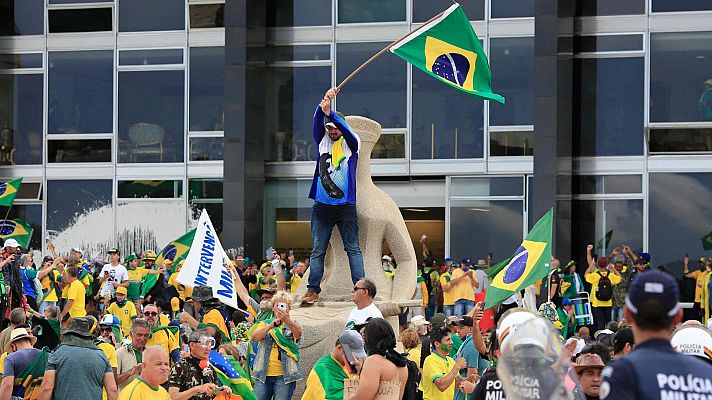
176 250
528 264
326 381
231 374
16 229
447 49
8 190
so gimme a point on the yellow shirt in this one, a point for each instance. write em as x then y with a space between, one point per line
699 283
138 389
110 352
47 284
463 288
2 361
593 279
436 367
294 283
414 355
274 366
163 319
125 314
137 274
449 296
163 338
75 291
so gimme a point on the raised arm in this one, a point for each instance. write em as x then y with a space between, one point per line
589 259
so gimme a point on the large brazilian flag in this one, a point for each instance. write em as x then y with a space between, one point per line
529 263
447 49
16 229
176 250
8 190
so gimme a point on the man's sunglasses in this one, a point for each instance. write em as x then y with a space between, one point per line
150 313
358 288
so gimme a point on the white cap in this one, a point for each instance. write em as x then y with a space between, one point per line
11 243
580 344
386 258
419 321
77 249
695 340
511 321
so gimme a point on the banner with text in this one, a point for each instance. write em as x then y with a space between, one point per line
205 264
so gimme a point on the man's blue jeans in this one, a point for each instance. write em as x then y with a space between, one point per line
323 219
274 388
449 311
463 306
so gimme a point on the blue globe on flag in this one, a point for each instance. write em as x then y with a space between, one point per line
169 253
7 228
452 67
516 266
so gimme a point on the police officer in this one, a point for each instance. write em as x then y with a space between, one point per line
654 370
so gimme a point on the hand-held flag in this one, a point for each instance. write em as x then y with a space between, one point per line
16 229
8 190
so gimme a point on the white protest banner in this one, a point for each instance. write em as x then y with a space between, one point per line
205 264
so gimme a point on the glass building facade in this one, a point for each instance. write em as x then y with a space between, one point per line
115 112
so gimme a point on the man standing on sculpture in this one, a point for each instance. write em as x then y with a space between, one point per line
334 192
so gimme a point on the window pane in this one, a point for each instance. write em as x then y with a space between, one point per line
299 53
298 12
202 189
607 184
608 106
678 92
151 57
586 8
371 11
449 119
21 119
78 1
151 15
681 5
503 234
21 17
215 211
589 44
80 20
670 140
423 10
150 189
511 144
32 214
72 201
151 116
81 92
207 76
512 8
207 16
298 93
512 63
12 61
206 149
148 224
487 187
606 224
389 146
29 191
379 91
678 222
86 150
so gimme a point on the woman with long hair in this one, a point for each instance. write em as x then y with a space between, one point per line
384 365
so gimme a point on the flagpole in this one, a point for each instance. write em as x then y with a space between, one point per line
375 56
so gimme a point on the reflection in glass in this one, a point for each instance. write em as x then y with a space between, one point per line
606 224
21 119
80 20
680 91
299 53
80 91
479 227
68 200
151 116
84 150
589 8
21 17
512 8
423 10
298 12
512 64
206 194
671 140
351 11
608 106
207 77
157 189
151 15
590 44
510 144
207 16
681 5
447 123
680 215
288 129
389 146
78 1
151 57
29 60
607 184
379 91
510 186
32 214
206 149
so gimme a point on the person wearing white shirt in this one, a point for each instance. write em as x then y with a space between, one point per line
112 275
362 295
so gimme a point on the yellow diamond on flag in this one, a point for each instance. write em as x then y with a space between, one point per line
520 266
451 64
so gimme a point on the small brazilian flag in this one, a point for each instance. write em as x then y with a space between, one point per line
528 264
707 242
16 229
176 250
447 49
8 190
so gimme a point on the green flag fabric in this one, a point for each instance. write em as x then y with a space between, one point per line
707 242
176 250
16 229
605 242
447 49
8 190
147 283
528 264
230 374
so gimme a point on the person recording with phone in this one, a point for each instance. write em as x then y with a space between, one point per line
326 379
10 265
276 368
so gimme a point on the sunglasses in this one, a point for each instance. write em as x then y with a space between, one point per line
358 288
150 313
106 329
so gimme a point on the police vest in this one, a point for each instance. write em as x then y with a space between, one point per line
489 387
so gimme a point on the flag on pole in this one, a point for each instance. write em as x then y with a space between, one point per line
176 250
605 241
16 229
447 49
707 242
528 264
8 190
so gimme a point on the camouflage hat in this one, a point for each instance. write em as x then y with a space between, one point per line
202 293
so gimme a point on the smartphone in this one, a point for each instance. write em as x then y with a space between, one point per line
291 253
350 360
282 307
269 253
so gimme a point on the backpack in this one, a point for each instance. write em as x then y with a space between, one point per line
411 391
604 290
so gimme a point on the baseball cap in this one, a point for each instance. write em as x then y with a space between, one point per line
653 287
438 320
330 122
465 320
603 262
466 261
131 257
113 250
566 302
109 319
121 290
640 260
11 243
47 258
623 336
352 343
418 321
447 260
78 250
